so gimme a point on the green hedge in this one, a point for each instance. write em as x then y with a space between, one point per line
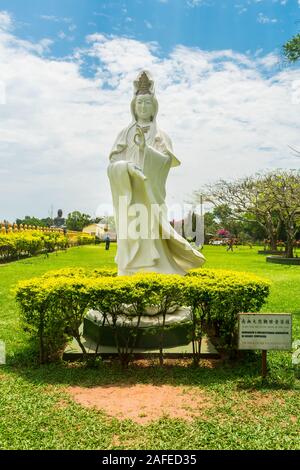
53 306
15 245
79 238
219 295
30 243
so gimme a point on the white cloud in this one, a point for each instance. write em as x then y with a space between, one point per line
148 24
62 35
269 61
104 15
282 2
5 20
225 117
241 9
56 19
195 3
263 19
9 40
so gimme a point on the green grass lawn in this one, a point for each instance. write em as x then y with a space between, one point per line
247 412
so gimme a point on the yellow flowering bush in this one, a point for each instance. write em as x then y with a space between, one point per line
15 245
217 296
79 238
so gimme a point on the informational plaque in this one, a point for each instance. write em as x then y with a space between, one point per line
2 352
265 331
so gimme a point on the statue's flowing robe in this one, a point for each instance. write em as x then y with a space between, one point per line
156 246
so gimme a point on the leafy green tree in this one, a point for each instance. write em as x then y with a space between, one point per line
29 220
77 221
245 202
47 222
270 201
282 189
227 220
291 49
223 217
210 226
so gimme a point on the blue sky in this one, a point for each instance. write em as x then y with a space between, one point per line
226 99
241 25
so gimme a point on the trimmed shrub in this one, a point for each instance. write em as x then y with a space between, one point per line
220 296
15 245
74 272
52 310
53 306
79 238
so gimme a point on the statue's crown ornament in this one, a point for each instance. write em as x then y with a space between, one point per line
144 84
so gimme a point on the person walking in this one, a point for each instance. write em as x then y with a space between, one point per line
230 245
107 242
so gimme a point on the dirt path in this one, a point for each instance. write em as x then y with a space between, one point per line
144 403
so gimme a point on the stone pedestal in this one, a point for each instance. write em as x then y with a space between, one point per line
177 331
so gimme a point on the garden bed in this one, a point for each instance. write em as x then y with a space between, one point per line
54 306
271 252
282 260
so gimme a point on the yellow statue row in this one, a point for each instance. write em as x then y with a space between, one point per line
9 228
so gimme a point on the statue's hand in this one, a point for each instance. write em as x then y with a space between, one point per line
139 138
134 170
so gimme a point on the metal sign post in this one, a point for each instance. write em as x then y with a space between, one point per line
264 363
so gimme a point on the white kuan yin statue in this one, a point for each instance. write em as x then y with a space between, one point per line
140 162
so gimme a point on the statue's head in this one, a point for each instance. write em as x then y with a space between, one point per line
144 105
59 213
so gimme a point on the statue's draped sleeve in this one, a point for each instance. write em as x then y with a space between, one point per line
117 151
160 241
164 143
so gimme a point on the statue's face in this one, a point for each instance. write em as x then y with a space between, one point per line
144 108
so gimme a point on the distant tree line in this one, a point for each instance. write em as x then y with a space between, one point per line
75 221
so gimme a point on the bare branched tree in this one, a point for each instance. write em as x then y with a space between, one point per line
272 200
282 189
297 152
246 199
